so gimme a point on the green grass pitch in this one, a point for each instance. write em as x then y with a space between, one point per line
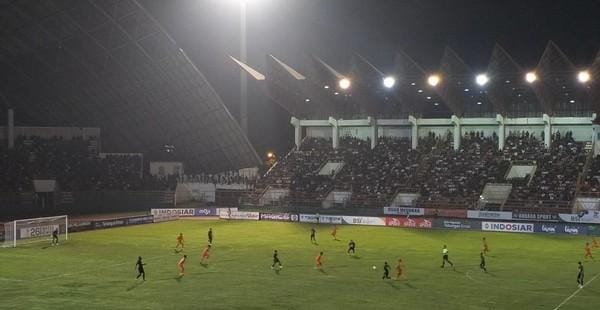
95 270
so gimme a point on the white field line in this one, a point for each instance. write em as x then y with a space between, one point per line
575 293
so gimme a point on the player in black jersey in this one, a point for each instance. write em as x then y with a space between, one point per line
386 271
210 236
276 260
482 263
580 275
140 267
351 246
313 233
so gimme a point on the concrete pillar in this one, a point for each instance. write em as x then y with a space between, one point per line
10 128
595 140
374 131
297 132
335 133
501 131
457 132
414 132
547 130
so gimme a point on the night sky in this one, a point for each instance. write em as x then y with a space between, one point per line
292 30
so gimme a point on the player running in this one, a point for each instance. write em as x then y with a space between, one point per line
482 263
386 271
486 249
399 269
55 237
351 247
588 251
210 236
445 257
140 268
334 232
179 242
276 260
580 275
595 243
181 265
313 234
319 260
205 255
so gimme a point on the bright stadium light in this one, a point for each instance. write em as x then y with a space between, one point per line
583 76
530 77
326 86
482 79
389 81
344 83
433 80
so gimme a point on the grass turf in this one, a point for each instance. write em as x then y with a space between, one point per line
95 270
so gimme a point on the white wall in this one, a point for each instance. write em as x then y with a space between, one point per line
362 132
165 168
319 132
389 131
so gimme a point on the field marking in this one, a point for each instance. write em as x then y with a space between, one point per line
575 293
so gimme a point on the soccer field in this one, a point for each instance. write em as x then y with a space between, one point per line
96 270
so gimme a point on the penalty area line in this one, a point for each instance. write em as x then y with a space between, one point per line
575 293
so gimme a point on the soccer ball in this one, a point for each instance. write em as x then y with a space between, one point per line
374 267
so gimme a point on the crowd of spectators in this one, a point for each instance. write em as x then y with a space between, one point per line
435 170
75 166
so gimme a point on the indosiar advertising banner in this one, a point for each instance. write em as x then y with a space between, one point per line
561 228
508 227
181 212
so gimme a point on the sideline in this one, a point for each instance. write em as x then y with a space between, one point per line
575 293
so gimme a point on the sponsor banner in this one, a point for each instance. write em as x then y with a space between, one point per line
309 218
109 223
80 226
489 215
551 228
591 230
508 227
179 212
535 216
37 231
143 219
284 217
589 217
206 212
408 222
403 211
454 213
329 219
364 220
165 217
240 215
457 224
219 210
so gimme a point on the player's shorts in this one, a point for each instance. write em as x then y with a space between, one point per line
445 257
206 255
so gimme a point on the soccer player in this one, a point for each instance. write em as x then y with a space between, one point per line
210 236
205 255
351 247
276 260
140 267
181 265
334 232
482 263
319 260
486 249
595 243
386 271
179 241
313 233
588 251
399 269
580 275
55 237
445 257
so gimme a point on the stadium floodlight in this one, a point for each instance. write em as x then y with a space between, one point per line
433 80
389 81
583 76
326 86
307 100
344 83
482 79
35 230
531 77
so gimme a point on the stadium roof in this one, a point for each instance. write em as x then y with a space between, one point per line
110 64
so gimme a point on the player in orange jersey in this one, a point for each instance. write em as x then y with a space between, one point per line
205 255
595 243
319 260
588 251
399 269
334 232
179 242
181 265
486 249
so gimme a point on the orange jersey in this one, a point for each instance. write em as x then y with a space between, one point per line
181 262
205 252
318 259
179 238
399 268
587 249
